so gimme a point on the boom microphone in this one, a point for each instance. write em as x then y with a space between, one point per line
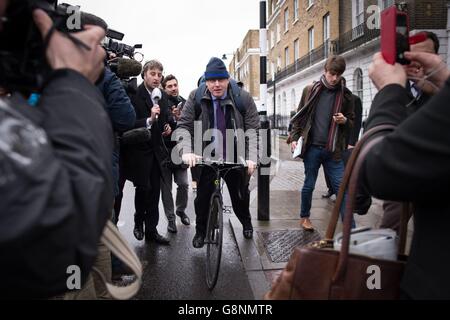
156 96
127 68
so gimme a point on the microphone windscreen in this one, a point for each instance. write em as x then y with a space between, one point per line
127 68
156 95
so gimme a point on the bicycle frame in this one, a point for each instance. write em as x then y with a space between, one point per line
214 228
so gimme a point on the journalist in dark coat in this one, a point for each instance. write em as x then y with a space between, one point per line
142 162
411 164
141 158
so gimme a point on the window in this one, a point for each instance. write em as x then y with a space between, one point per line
358 18
286 56
293 101
284 113
296 50
286 20
311 39
358 83
295 10
326 33
278 33
326 27
385 4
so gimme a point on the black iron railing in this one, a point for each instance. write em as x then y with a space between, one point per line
355 38
347 41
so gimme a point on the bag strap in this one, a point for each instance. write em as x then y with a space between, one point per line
367 145
115 242
404 218
329 235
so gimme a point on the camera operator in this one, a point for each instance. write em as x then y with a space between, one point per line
123 117
411 165
55 159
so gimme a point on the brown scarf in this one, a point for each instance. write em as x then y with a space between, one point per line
305 113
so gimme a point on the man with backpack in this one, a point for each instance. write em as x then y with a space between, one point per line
220 105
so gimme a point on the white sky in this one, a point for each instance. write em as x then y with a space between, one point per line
182 34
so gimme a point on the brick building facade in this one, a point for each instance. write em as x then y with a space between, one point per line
303 33
244 66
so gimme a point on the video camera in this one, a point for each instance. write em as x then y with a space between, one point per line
23 65
128 68
121 49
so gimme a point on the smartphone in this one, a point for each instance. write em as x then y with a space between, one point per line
394 35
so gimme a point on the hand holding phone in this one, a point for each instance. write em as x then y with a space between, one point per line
394 35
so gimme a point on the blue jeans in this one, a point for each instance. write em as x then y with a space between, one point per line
315 157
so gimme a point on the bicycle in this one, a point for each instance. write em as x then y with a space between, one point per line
214 227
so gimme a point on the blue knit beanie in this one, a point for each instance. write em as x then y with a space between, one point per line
216 70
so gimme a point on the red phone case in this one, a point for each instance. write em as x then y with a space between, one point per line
389 34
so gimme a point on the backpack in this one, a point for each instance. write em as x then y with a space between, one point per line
235 96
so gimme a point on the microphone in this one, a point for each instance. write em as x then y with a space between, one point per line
128 68
156 96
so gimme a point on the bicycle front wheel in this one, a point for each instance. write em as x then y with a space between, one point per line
214 238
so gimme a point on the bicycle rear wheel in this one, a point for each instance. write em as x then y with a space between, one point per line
214 237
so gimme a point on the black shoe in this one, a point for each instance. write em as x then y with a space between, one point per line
184 219
172 226
198 241
138 231
248 233
328 194
157 238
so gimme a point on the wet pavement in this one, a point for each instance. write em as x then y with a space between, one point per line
265 259
248 266
177 271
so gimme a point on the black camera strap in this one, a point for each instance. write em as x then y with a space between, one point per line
75 40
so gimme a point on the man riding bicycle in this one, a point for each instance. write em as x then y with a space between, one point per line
223 112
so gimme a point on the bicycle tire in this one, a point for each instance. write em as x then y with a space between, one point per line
214 240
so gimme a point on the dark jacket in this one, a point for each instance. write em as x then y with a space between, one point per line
139 159
118 104
343 130
57 192
250 120
354 134
412 165
174 101
120 111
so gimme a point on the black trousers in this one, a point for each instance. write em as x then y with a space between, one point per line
146 201
118 198
237 181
